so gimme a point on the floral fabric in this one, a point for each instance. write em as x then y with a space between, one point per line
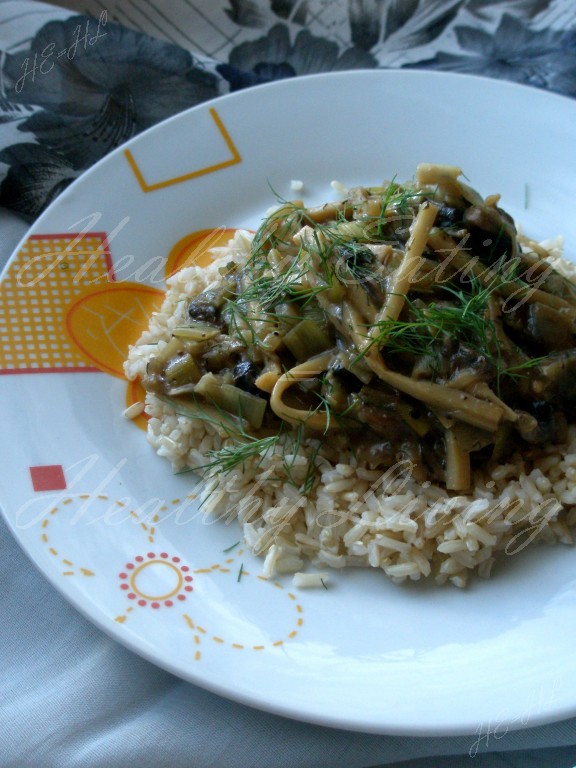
83 85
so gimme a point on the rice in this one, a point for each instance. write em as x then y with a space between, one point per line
354 516
310 580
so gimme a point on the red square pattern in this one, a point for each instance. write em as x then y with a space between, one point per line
49 477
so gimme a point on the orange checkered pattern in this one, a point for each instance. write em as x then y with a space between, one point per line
41 281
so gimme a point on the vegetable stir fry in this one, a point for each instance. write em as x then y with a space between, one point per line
405 323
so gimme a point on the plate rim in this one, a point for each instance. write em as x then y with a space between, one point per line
75 598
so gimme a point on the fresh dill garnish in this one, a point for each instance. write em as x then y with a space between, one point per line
323 407
464 319
425 328
184 470
385 202
271 278
229 549
429 325
396 199
295 442
271 283
240 572
355 262
239 453
277 228
244 447
521 370
311 475
334 253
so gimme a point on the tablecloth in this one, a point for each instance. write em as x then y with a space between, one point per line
74 86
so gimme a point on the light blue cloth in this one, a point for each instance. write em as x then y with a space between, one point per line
72 698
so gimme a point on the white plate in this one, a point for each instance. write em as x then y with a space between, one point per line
122 542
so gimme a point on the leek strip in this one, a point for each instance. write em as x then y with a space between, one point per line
196 332
458 473
307 339
332 311
481 389
242 404
314 419
362 301
514 354
231 399
329 212
182 370
397 290
459 405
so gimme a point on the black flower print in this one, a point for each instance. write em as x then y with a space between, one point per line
88 86
484 9
149 79
400 23
542 58
247 13
259 14
274 57
35 178
296 10
12 113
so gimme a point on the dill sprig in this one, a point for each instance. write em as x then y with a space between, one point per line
400 200
465 320
269 283
294 444
272 277
278 227
339 253
243 449
522 370
244 445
